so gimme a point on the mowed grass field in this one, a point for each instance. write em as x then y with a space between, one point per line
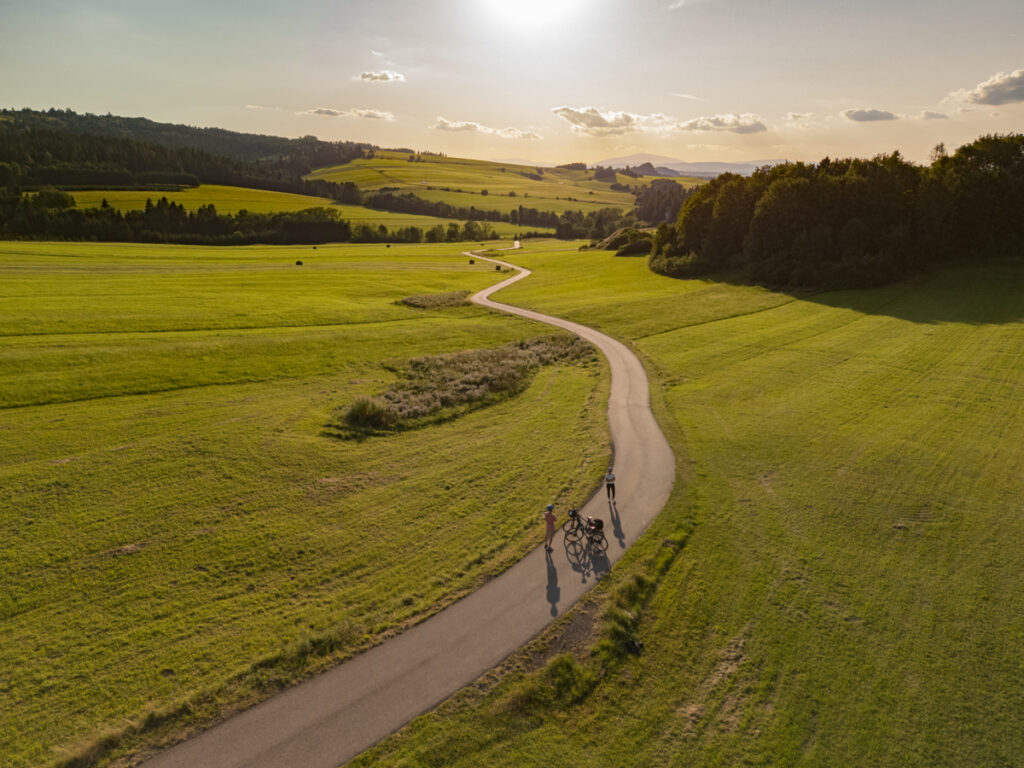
234 199
461 182
836 579
180 537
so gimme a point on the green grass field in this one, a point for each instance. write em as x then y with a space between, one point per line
226 199
460 182
838 571
180 535
234 199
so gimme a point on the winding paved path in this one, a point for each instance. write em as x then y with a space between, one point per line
330 719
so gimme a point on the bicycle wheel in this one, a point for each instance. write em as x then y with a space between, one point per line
573 533
599 542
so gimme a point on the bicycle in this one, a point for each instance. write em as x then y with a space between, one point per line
577 528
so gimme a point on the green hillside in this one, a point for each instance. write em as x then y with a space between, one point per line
226 199
835 579
462 182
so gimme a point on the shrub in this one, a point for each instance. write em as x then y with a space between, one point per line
639 247
571 681
368 413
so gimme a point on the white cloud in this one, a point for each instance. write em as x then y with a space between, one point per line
745 123
590 121
384 76
515 133
456 126
366 114
869 115
999 89
371 114
800 119
926 115
689 96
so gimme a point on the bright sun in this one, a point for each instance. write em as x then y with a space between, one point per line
533 14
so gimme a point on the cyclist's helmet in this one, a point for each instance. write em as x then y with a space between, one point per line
550 507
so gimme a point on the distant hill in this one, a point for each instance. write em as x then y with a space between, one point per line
647 169
671 166
247 147
65 148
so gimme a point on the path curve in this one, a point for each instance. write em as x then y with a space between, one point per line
329 719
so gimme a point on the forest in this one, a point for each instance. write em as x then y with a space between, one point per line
49 143
851 223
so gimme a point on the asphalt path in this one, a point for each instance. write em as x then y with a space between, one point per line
329 719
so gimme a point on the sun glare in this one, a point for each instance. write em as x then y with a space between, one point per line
533 14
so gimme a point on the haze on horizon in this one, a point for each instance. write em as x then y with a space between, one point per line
547 81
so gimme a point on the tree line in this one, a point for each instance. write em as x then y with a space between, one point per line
851 223
50 214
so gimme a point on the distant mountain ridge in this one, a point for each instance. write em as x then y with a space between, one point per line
677 167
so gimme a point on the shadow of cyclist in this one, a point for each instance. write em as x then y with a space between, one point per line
613 512
554 591
578 555
600 564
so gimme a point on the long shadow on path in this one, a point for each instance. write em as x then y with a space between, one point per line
554 591
613 513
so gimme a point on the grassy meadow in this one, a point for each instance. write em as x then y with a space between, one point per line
835 580
226 199
234 199
461 182
182 536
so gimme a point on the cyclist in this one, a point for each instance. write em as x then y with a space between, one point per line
549 519
609 483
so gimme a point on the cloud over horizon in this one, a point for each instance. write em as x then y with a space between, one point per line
745 123
590 121
1001 88
800 119
366 114
869 115
456 126
384 76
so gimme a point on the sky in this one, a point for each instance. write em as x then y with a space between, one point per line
546 81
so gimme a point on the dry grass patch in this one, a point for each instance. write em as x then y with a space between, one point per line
438 387
436 300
